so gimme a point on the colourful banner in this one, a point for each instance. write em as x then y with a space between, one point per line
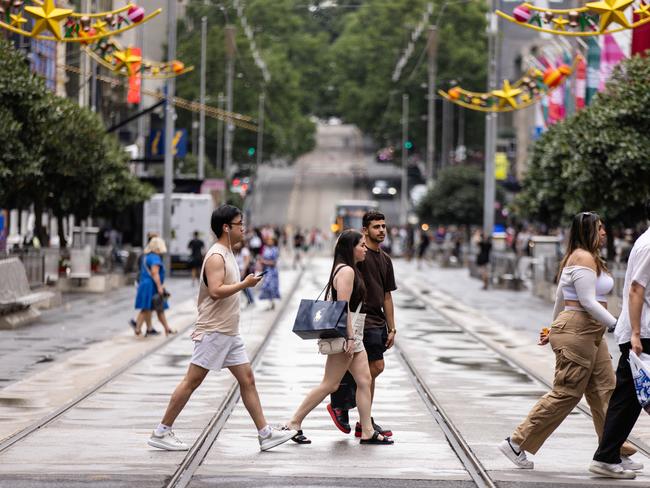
640 38
593 68
135 80
580 85
610 56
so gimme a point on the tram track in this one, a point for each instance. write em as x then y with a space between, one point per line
501 353
56 414
459 445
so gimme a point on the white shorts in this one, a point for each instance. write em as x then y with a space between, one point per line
217 351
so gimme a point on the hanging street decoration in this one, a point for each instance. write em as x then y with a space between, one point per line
521 94
126 62
64 24
593 19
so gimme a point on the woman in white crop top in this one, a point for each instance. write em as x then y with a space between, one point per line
582 362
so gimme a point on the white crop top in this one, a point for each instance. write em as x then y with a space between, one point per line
583 285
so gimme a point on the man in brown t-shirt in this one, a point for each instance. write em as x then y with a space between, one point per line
379 332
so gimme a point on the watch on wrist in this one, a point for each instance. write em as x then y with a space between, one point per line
392 331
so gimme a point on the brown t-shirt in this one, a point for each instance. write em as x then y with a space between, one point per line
378 276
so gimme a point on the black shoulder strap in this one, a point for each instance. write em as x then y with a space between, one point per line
331 281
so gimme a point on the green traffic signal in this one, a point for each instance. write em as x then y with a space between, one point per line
251 151
408 145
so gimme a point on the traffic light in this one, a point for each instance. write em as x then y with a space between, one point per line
408 145
251 152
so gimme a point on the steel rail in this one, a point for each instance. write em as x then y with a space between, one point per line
182 477
641 446
48 419
460 447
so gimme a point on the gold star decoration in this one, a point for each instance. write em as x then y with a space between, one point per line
100 27
610 11
126 58
48 17
17 20
643 11
560 23
507 94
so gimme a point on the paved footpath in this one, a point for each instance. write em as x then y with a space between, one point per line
466 358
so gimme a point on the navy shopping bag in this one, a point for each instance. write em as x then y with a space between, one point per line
318 319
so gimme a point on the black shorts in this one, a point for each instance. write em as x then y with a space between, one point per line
374 340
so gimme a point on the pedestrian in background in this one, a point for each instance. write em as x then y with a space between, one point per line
483 258
345 283
243 256
196 247
269 260
582 362
151 293
379 324
632 333
217 342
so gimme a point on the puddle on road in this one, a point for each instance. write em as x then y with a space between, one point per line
486 365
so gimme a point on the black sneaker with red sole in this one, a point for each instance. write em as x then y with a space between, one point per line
378 428
340 418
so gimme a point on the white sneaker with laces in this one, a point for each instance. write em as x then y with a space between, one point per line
611 470
275 438
167 441
628 463
517 457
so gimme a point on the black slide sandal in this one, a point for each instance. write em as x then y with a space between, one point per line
386 441
300 438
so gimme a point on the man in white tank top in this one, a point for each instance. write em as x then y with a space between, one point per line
632 333
217 343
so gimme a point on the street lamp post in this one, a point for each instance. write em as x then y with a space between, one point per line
169 131
260 130
432 46
490 129
204 36
405 136
230 72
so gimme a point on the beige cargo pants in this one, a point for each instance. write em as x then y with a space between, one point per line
582 367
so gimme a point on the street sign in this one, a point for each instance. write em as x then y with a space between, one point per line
156 143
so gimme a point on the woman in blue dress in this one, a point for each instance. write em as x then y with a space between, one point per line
152 277
271 284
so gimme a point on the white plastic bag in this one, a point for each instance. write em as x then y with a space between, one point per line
641 373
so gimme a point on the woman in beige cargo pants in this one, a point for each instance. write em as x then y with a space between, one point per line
582 361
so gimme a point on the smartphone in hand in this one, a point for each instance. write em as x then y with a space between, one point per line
262 273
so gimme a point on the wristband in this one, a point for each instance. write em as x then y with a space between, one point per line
349 338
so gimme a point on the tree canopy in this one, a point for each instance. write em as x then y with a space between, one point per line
56 154
597 159
332 60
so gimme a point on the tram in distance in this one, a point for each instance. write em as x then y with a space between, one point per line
349 214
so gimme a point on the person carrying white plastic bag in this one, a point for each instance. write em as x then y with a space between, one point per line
641 373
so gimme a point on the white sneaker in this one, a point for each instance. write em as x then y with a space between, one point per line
167 441
628 463
518 458
275 438
611 470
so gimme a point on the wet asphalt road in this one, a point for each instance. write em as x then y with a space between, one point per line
82 320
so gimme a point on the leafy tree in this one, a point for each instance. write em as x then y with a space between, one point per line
57 155
366 52
596 160
456 198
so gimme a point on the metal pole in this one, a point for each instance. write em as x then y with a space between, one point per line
431 108
84 62
260 130
169 132
230 72
405 136
490 129
204 37
140 140
219 158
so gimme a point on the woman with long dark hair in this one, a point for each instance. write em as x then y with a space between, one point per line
582 362
345 283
